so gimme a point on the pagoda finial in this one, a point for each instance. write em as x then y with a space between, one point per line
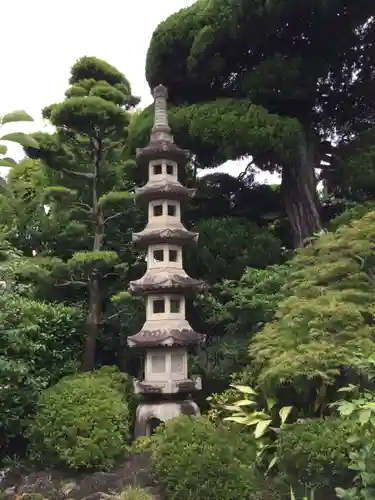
160 113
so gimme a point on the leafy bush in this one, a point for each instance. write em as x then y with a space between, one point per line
134 493
315 453
39 343
194 459
326 321
83 421
360 411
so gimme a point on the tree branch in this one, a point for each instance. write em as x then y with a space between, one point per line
84 175
110 274
113 145
113 216
84 206
116 314
72 282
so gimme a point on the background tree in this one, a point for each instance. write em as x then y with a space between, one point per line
268 80
229 245
322 334
352 176
20 138
89 180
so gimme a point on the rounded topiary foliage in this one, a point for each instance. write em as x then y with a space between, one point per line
194 459
315 453
83 421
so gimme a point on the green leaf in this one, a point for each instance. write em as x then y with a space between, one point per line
284 413
24 140
353 439
292 497
272 463
346 408
238 420
270 403
261 428
7 162
364 416
349 388
245 402
244 389
3 149
231 408
16 116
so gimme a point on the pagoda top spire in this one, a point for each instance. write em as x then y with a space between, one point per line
161 144
161 125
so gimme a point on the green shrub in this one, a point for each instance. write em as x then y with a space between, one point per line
315 454
134 493
194 459
83 421
39 343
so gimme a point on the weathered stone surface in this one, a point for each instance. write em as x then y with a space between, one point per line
171 280
174 336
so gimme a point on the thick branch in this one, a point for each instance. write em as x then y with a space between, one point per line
114 216
110 274
117 143
82 175
116 314
72 282
83 206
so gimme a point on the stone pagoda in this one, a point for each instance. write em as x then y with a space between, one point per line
166 337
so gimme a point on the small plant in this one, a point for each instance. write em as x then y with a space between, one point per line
142 444
360 410
244 411
218 401
134 493
310 497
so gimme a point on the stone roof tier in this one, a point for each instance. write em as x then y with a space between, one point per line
176 236
163 189
165 337
166 280
161 148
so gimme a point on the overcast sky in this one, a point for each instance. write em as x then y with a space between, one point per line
42 39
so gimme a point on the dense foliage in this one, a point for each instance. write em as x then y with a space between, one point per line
267 80
315 453
323 329
87 181
83 421
39 344
195 459
289 312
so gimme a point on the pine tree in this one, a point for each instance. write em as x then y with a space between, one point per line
90 180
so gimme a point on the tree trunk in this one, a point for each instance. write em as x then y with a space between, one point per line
298 188
92 324
95 300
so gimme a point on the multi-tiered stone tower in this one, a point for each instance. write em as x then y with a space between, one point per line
166 336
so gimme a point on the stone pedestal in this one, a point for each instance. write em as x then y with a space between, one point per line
150 415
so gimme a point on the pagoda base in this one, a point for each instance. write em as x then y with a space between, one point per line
150 415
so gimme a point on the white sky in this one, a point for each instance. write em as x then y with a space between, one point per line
42 39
